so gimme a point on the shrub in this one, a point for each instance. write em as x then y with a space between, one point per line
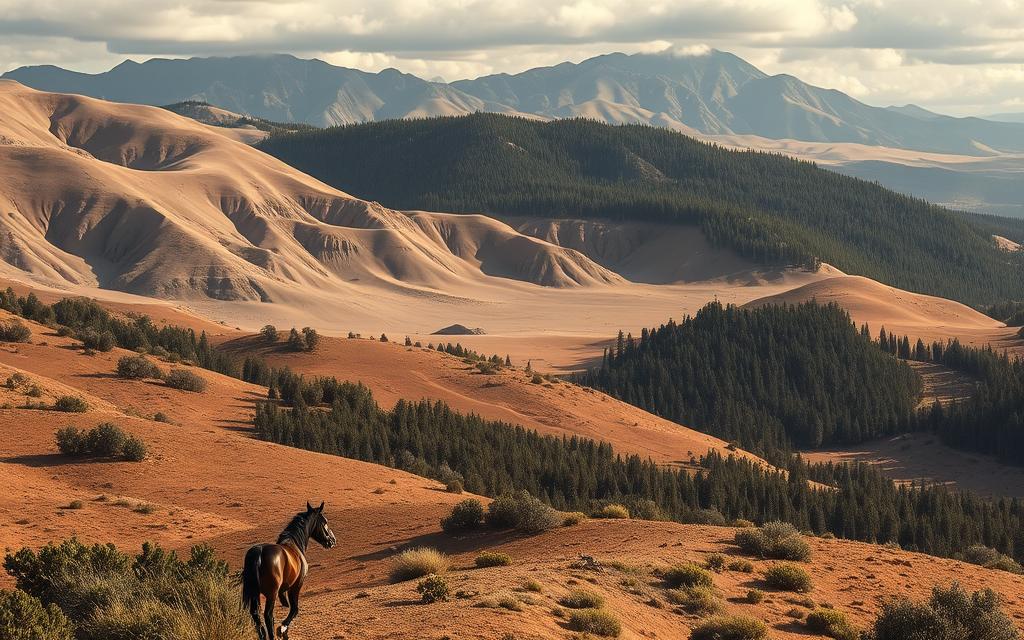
743 566
417 563
136 367
466 515
788 577
105 440
778 540
493 559
434 588
185 380
573 518
93 340
522 512
533 585
160 416
715 562
687 575
730 628
596 621
269 333
454 486
112 596
991 559
71 404
133 450
23 617
698 601
949 613
14 331
831 623
613 511
581 599
71 441
755 596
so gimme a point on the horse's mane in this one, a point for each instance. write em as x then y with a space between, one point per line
296 531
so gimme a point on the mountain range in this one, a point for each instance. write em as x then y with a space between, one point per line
713 94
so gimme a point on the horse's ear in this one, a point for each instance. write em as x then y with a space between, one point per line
321 507
309 507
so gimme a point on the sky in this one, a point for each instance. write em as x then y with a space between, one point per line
961 57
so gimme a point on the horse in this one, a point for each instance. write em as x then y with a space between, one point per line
277 571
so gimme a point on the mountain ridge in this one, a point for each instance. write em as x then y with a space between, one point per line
717 93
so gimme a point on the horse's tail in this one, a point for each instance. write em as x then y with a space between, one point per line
251 578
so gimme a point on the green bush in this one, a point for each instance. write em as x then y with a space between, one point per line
417 563
185 380
522 512
105 440
72 441
596 621
23 617
573 518
71 404
97 340
743 566
434 588
581 599
698 601
687 575
755 596
831 623
466 515
730 628
133 449
788 577
14 331
612 511
949 613
136 367
493 559
109 595
991 559
715 562
777 540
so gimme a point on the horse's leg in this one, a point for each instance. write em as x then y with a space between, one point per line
268 617
282 597
293 598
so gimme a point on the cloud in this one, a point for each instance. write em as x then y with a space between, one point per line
951 53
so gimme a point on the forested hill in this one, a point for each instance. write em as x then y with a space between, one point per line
769 378
765 206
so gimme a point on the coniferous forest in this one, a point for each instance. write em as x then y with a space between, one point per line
765 206
771 378
430 439
778 378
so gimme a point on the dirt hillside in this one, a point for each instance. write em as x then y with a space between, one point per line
206 479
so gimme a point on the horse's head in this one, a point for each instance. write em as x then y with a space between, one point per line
319 530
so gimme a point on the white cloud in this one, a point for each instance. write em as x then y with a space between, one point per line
954 54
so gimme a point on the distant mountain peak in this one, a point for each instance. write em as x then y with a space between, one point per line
707 91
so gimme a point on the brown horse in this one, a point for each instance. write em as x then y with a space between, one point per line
278 570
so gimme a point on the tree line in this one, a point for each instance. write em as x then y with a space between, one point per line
770 379
98 329
765 206
991 419
573 473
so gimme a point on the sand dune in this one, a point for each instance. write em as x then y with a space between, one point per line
142 200
902 312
